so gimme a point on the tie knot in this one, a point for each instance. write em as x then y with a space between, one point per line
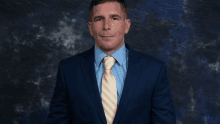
109 61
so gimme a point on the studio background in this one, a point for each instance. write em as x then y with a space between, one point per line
37 34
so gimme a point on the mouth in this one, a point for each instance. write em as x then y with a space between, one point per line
107 36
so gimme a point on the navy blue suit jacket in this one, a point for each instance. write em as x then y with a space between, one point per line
146 96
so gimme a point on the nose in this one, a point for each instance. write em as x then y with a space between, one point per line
107 25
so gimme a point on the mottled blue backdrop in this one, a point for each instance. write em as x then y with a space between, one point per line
37 34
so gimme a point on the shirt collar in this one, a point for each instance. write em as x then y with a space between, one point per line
119 55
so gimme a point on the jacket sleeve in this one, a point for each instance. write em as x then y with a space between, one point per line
59 108
162 110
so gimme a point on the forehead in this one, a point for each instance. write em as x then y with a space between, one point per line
107 8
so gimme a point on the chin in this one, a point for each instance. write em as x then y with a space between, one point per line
108 46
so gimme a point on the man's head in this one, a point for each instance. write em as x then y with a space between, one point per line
108 18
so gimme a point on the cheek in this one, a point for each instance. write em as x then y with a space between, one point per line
120 31
96 30
94 33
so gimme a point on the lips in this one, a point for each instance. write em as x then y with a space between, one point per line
107 36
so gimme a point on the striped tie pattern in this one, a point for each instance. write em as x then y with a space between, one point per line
109 90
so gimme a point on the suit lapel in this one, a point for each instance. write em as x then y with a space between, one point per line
134 67
88 68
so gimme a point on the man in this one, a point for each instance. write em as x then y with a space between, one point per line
111 83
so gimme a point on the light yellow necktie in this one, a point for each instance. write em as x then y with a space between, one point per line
109 90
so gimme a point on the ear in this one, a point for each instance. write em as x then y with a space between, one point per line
127 25
90 28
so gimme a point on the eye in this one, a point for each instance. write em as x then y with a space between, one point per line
100 18
97 19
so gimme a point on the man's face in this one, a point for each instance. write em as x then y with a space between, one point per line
108 20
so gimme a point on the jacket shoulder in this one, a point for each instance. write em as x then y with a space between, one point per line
73 59
150 59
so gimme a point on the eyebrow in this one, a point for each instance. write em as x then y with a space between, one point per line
112 15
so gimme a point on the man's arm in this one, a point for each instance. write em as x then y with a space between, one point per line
162 111
59 107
